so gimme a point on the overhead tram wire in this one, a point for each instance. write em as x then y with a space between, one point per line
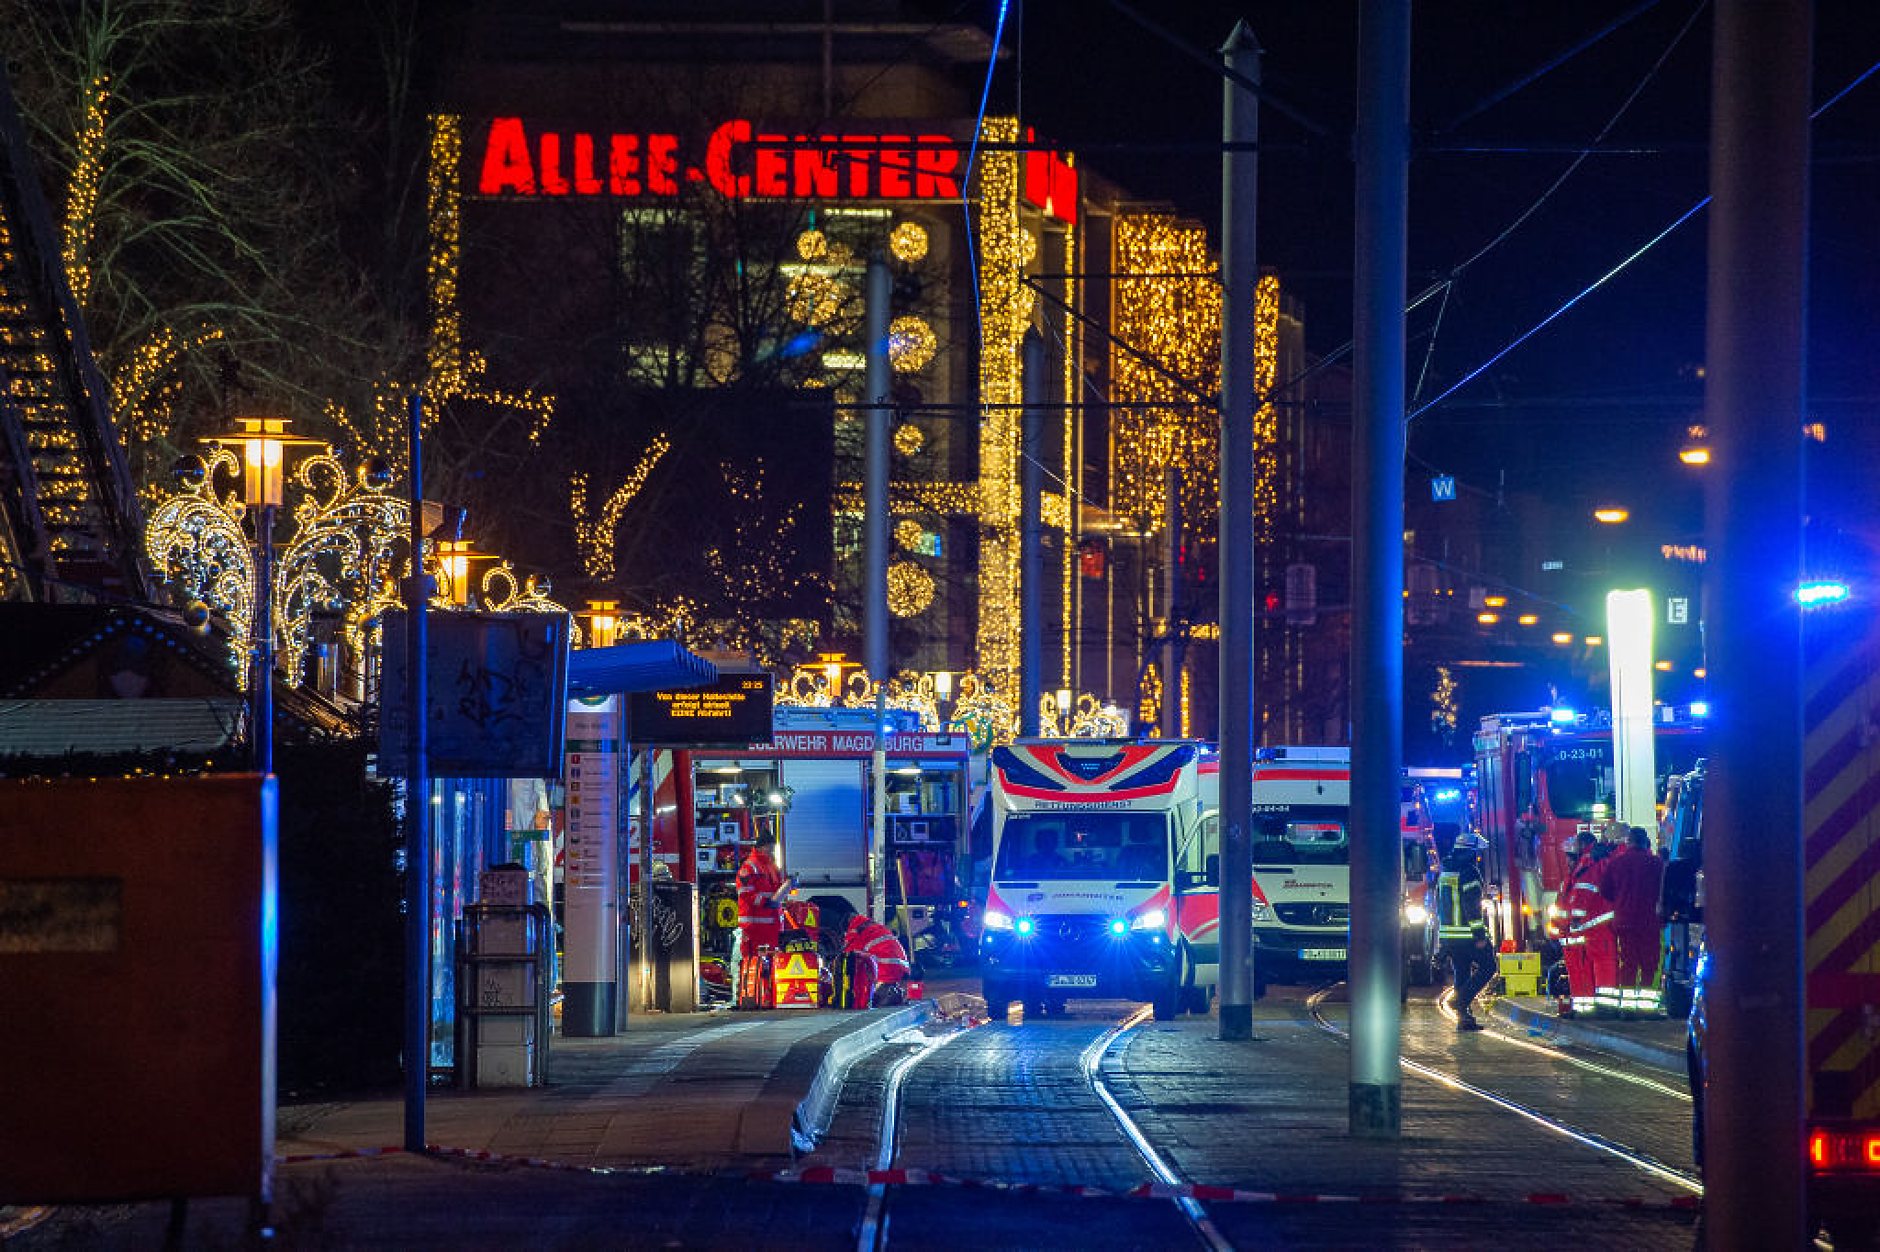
1496 97
1622 265
1449 280
966 176
1214 63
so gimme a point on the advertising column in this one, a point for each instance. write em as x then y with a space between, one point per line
590 869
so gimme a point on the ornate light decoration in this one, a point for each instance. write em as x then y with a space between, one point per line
816 299
812 245
909 439
195 539
910 589
911 344
907 533
908 242
349 549
351 533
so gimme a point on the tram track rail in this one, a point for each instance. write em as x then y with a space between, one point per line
1455 1082
1091 1062
872 1231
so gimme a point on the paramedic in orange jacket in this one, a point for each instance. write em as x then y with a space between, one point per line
760 885
879 942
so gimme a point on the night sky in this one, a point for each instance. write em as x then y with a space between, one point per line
1594 405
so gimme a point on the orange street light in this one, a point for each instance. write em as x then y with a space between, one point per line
603 620
1611 514
1562 638
1696 449
1528 619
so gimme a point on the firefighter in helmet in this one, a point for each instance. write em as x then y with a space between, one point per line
1462 924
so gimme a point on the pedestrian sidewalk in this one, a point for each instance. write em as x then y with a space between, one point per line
1656 1041
692 1091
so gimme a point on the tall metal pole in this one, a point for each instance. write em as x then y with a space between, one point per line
1239 268
264 640
647 993
1031 538
879 406
1377 451
1171 582
417 810
1754 1194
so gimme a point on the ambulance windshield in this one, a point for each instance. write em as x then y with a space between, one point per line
1116 846
1301 836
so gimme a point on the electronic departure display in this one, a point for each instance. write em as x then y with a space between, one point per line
733 712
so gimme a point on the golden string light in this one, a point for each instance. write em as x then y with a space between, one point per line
1004 313
812 245
1072 330
1266 467
1167 308
81 199
48 434
908 439
595 537
453 371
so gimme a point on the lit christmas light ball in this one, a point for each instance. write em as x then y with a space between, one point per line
911 344
910 589
908 242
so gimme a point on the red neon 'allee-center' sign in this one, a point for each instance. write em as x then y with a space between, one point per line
739 162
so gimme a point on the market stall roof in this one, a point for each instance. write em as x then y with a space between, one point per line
39 729
653 665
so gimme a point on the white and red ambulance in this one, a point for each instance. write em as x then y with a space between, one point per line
1082 901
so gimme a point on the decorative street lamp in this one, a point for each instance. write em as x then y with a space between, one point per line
263 442
603 620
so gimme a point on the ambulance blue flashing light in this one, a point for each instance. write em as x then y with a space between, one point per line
1025 926
1700 708
1820 591
1561 716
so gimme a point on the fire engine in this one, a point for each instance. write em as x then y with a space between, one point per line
1543 777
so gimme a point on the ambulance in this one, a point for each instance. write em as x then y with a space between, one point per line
1083 895
1302 861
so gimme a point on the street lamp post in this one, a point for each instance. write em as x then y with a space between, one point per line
264 442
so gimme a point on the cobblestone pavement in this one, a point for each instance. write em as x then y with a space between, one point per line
1005 1102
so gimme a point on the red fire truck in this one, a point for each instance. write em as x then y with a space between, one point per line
1543 777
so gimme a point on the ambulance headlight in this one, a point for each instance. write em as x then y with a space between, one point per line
1415 914
1260 912
1151 919
995 920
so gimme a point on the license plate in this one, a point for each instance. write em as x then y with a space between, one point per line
1070 980
1322 954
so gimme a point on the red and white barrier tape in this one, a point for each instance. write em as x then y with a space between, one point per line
842 1176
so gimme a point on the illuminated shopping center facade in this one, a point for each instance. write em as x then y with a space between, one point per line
624 213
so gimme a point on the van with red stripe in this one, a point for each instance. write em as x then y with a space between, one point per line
1301 871
1082 899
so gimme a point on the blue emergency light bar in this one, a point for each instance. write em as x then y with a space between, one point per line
1820 591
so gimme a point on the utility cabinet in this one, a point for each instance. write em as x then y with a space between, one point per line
503 1017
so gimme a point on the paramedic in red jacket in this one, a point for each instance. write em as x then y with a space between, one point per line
879 942
760 884
1632 883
